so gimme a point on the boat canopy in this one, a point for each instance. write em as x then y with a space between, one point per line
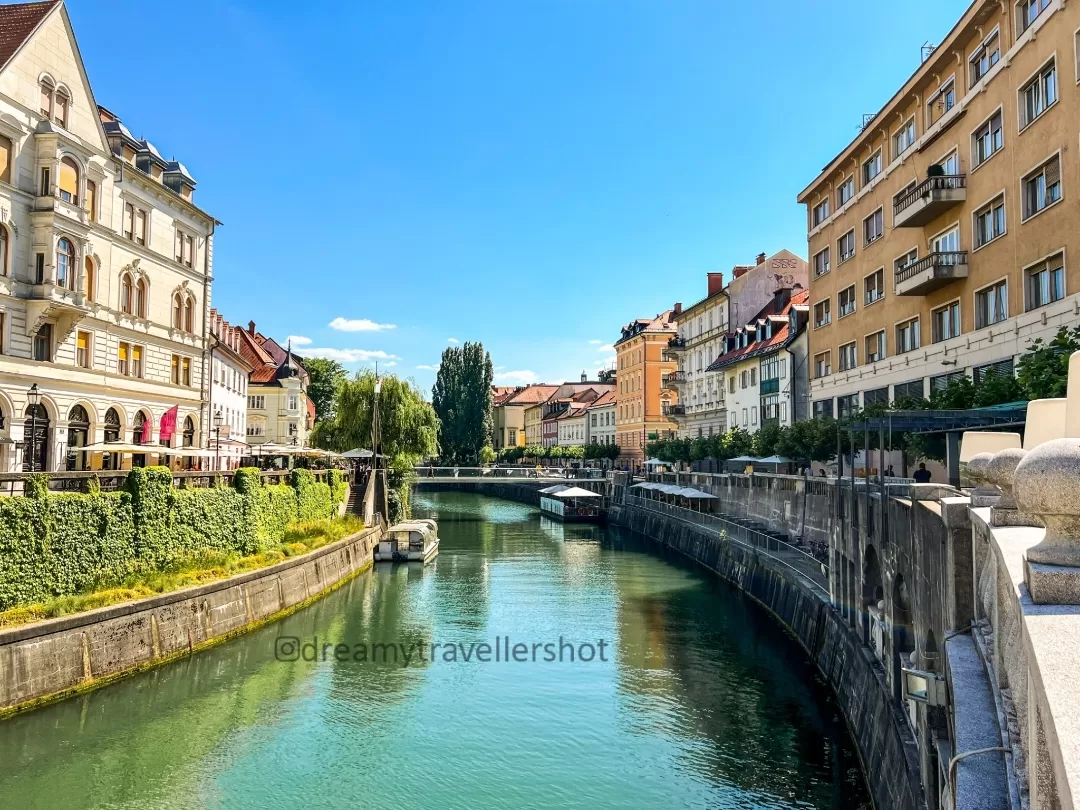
575 492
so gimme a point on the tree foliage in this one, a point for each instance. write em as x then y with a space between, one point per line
1043 371
327 377
462 399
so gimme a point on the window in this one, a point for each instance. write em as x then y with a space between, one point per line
991 304
134 224
903 138
43 343
847 405
753 414
136 361
189 315
822 364
3 251
984 58
988 139
1038 94
294 402
845 192
876 396
185 371
875 347
90 200
907 336
82 349
871 168
821 263
184 248
1002 368
46 99
61 108
908 390
874 286
907 259
1027 11
846 301
945 322
1042 188
845 246
941 102
140 226
873 227
129 220
731 384
822 313
821 212
46 183
123 359
178 311
39 268
848 356
140 298
65 263
127 295
69 181
990 221
1045 282
947 242
5 159
941 381
823 409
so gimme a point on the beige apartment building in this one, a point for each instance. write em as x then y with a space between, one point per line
940 238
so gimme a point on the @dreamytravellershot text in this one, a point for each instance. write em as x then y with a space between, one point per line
499 650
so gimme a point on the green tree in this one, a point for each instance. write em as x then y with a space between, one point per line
738 442
327 377
462 399
766 440
1043 370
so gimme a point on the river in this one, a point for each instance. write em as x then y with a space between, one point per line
693 696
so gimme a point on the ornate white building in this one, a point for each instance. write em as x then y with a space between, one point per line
229 372
105 266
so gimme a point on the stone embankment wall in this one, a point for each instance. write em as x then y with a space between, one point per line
886 745
50 660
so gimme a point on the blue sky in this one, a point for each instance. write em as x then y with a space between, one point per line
528 174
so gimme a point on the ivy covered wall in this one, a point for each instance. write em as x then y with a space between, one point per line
62 544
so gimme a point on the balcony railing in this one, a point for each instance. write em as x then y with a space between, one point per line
674 410
674 378
677 343
932 272
928 200
770 386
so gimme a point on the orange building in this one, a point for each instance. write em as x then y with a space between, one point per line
641 401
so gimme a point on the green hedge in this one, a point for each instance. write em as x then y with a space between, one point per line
61 544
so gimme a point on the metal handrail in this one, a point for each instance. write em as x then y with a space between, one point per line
950 258
941 182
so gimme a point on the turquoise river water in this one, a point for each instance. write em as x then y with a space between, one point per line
700 701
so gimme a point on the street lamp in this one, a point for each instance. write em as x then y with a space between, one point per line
33 396
218 419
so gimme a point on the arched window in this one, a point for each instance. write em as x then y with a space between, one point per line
3 251
111 461
178 311
46 98
89 279
78 433
189 432
90 200
36 439
189 316
69 181
139 428
62 102
140 298
65 263
127 294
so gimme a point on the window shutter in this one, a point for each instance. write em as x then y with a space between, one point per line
1053 176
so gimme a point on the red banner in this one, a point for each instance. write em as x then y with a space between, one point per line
168 423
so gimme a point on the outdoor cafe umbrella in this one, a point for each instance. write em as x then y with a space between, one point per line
774 460
744 458
575 492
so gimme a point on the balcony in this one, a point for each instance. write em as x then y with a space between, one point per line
674 410
770 386
932 273
52 302
675 345
928 200
673 378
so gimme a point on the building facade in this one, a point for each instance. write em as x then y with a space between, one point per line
600 420
507 421
229 372
572 427
642 402
278 409
940 237
105 267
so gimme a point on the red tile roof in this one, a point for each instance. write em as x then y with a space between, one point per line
17 23
607 398
780 337
533 395
501 393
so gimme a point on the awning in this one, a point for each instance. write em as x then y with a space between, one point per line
654 462
553 489
744 458
774 460
122 447
358 452
690 492
575 492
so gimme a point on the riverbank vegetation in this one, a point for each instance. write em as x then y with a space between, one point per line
463 401
589 452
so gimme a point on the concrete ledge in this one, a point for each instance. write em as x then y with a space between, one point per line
50 660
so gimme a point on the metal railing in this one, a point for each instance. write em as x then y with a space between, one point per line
811 569
518 472
938 259
930 184
674 377
674 410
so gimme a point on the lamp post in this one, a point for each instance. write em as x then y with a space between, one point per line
33 396
218 419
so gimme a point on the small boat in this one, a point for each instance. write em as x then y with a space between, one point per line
411 541
571 504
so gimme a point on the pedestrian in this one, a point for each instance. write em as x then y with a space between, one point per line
889 472
922 475
821 472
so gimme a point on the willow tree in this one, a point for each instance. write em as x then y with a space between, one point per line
462 398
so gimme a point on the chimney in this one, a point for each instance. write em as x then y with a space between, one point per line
677 310
251 328
761 258
716 283
584 376
740 271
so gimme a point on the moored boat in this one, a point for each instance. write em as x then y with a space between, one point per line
410 541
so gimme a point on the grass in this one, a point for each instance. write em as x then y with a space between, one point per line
197 569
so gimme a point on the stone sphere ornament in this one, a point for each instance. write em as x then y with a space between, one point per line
1001 471
1046 484
977 467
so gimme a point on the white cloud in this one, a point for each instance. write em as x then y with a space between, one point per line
389 364
427 367
359 325
595 342
347 355
298 340
608 349
517 377
451 340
